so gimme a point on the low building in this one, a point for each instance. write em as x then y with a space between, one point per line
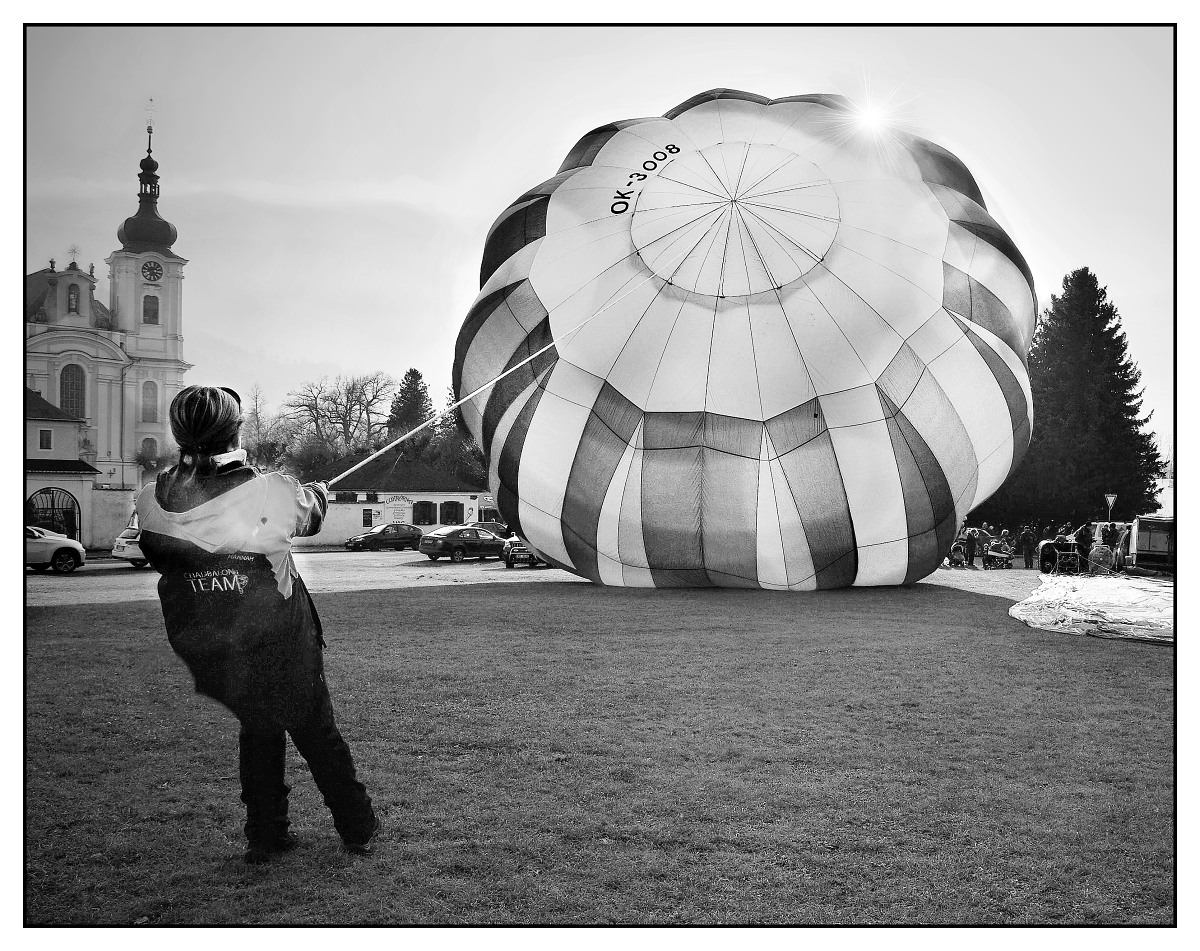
395 488
58 480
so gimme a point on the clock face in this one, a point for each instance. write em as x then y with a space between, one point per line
152 270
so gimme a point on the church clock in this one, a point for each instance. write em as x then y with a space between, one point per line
152 271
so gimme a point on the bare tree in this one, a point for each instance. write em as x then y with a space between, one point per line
343 416
375 393
306 407
265 435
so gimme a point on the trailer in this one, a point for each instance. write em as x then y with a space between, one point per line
1149 545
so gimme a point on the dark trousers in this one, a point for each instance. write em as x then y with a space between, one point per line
262 756
1028 556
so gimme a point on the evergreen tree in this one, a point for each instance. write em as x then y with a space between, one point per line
453 448
1088 434
411 406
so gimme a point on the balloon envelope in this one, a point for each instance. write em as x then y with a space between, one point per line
773 349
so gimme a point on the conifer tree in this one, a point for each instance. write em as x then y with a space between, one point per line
1089 436
411 406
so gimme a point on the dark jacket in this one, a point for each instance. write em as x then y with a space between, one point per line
235 607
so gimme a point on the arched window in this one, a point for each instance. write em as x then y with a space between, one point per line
149 402
150 447
73 299
424 513
149 309
70 390
452 513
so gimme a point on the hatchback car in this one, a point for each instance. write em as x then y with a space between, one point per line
128 545
396 535
459 543
46 549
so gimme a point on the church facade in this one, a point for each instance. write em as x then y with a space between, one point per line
113 368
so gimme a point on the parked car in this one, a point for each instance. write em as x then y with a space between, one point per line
396 535
518 552
496 528
128 544
46 549
458 543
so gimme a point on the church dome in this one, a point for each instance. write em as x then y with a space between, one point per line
147 230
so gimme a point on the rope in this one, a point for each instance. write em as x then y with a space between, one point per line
470 396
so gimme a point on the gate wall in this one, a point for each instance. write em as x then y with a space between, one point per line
111 509
80 487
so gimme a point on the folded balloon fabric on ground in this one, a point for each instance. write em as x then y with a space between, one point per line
771 349
1106 606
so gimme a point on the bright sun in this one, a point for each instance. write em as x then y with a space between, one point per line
872 119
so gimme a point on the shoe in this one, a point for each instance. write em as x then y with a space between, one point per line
367 845
257 853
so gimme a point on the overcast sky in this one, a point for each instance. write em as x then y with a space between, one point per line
332 186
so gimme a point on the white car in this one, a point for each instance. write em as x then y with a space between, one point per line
127 546
46 549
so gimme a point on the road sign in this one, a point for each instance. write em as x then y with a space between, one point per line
1110 499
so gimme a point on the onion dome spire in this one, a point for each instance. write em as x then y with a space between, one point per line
147 230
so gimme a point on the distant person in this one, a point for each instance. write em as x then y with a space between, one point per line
1083 542
971 542
1110 535
239 615
1028 544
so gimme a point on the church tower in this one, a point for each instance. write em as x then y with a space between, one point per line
100 380
146 304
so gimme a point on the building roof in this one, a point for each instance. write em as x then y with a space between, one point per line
37 286
393 472
38 408
60 465
37 289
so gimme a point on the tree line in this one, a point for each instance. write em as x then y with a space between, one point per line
326 420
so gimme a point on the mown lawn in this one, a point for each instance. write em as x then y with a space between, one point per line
549 753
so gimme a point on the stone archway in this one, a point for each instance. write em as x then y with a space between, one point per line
54 509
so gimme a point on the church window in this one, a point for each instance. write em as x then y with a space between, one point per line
150 447
149 402
149 309
70 391
73 299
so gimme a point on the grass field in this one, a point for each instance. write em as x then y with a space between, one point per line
551 753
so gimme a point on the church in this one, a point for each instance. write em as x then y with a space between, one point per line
100 377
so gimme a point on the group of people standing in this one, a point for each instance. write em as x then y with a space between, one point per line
976 541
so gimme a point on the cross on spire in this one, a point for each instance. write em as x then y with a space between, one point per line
149 123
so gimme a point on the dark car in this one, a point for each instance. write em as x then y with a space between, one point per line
496 528
458 543
518 552
396 536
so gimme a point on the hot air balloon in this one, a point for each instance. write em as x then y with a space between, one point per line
769 350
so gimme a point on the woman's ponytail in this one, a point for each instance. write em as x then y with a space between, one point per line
205 421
